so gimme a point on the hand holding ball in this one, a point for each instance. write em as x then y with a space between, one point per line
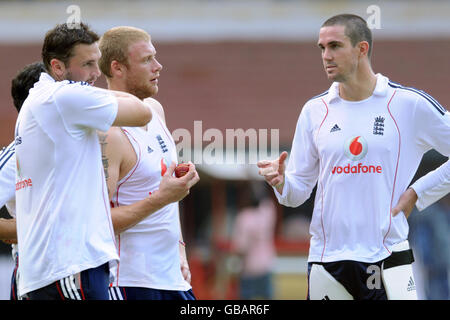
181 170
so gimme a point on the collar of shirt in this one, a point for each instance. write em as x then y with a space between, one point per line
381 89
46 77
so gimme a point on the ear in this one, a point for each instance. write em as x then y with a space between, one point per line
117 69
58 68
364 48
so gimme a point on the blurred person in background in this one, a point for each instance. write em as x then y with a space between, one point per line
253 242
429 237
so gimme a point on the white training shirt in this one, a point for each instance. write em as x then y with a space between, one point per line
8 182
8 178
149 252
63 214
362 155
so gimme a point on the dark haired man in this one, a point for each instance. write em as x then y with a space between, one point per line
361 142
64 229
24 81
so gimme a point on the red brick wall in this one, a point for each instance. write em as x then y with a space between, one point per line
251 84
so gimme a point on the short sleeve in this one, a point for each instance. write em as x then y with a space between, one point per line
82 106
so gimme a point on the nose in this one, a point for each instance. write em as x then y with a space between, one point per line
326 54
97 73
158 66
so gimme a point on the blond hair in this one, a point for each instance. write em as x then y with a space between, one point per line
114 45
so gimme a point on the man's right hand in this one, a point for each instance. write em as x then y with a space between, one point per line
273 171
172 189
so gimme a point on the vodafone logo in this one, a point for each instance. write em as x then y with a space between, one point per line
355 148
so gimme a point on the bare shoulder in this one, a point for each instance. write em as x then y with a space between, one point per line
156 107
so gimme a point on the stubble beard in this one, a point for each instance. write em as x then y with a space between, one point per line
142 92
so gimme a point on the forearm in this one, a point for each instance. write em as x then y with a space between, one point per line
125 217
170 190
8 229
433 186
302 171
294 191
131 112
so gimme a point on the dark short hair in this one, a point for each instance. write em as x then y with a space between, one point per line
60 41
24 81
355 28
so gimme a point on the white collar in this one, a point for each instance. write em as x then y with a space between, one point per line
380 88
46 77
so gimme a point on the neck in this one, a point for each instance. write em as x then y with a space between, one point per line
358 87
116 85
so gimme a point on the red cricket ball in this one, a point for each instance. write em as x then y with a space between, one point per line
181 170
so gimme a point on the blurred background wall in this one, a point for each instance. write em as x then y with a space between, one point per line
252 65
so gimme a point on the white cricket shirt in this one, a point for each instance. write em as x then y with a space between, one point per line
8 182
149 252
8 178
63 214
362 155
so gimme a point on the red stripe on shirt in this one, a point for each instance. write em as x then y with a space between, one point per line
396 169
321 186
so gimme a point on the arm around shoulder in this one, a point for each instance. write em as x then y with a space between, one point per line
131 111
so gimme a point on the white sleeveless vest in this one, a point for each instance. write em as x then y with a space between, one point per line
149 251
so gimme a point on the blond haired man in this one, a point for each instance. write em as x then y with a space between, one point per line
139 161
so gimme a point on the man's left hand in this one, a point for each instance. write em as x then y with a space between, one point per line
406 203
